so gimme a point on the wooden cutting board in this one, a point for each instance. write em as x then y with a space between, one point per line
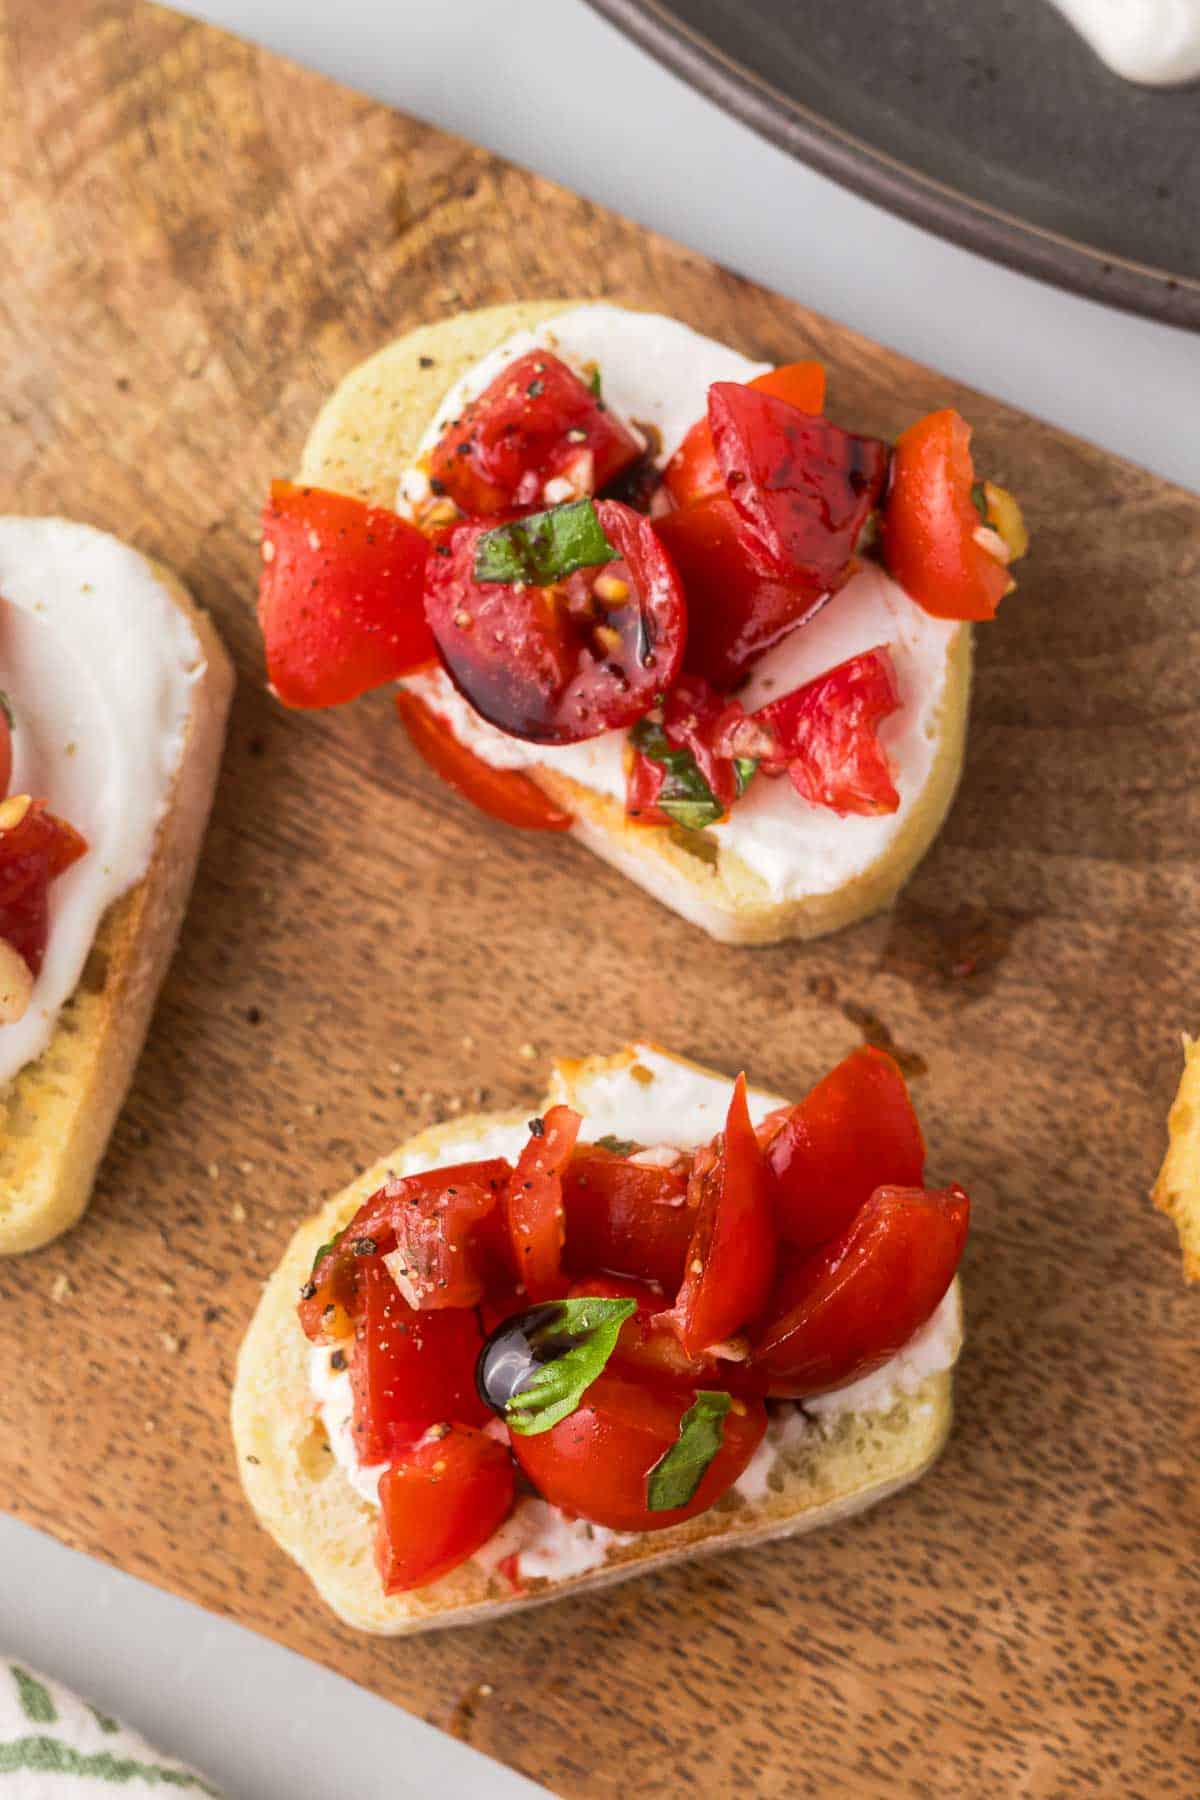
197 241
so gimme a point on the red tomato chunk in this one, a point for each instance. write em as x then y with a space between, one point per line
537 423
339 598
563 662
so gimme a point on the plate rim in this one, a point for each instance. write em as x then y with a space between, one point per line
875 175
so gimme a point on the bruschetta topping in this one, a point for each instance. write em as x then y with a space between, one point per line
615 1329
573 580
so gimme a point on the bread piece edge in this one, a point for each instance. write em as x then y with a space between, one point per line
1177 1189
135 941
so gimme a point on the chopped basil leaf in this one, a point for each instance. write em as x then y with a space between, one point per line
979 501
6 709
743 771
544 546
685 796
333 1243
578 1337
618 1146
594 383
676 1476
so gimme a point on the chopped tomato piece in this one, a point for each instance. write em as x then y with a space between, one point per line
434 1222
735 611
595 1463
35 848
534 1202
648 1349
560 663
339 601
408 1370
731 1255
439 1503
694 474
694 720
934 541
852 1133
628 1218
503 794
843 1310
824 735
447 1242
803 488
537 423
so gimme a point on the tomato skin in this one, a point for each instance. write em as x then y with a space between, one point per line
339 599
855 1131
532 660
514 438
930 521
693 473
434 1223
408 1370
594 1464
503 794
648 1349
824 735
803 488
439 1503
731 1255
534 1204
33 852
330 1300
840 1311
735 610
626 1218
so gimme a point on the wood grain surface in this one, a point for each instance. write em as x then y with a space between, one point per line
197 241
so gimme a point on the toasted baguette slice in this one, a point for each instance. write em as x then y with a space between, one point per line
368 433
58 1112
1177 1190
833 1468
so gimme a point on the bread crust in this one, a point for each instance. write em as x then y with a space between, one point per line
59 1111
367 433
305 1502
1177 1190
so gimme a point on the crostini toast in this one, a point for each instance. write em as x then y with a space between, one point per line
59 1110
368 434
827 1467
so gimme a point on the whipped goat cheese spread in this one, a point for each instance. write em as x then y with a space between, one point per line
99 665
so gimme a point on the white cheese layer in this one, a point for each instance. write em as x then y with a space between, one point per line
1154 42
651 1099
99 665
658 371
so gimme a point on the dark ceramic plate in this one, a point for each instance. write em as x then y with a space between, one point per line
988 121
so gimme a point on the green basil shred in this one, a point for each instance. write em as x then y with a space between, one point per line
544 546
743 770
675 1477
333 1243
618 1146
685 796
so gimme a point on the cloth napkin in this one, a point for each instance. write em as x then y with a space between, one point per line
53 1744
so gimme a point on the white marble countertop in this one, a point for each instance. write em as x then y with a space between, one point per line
612 125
